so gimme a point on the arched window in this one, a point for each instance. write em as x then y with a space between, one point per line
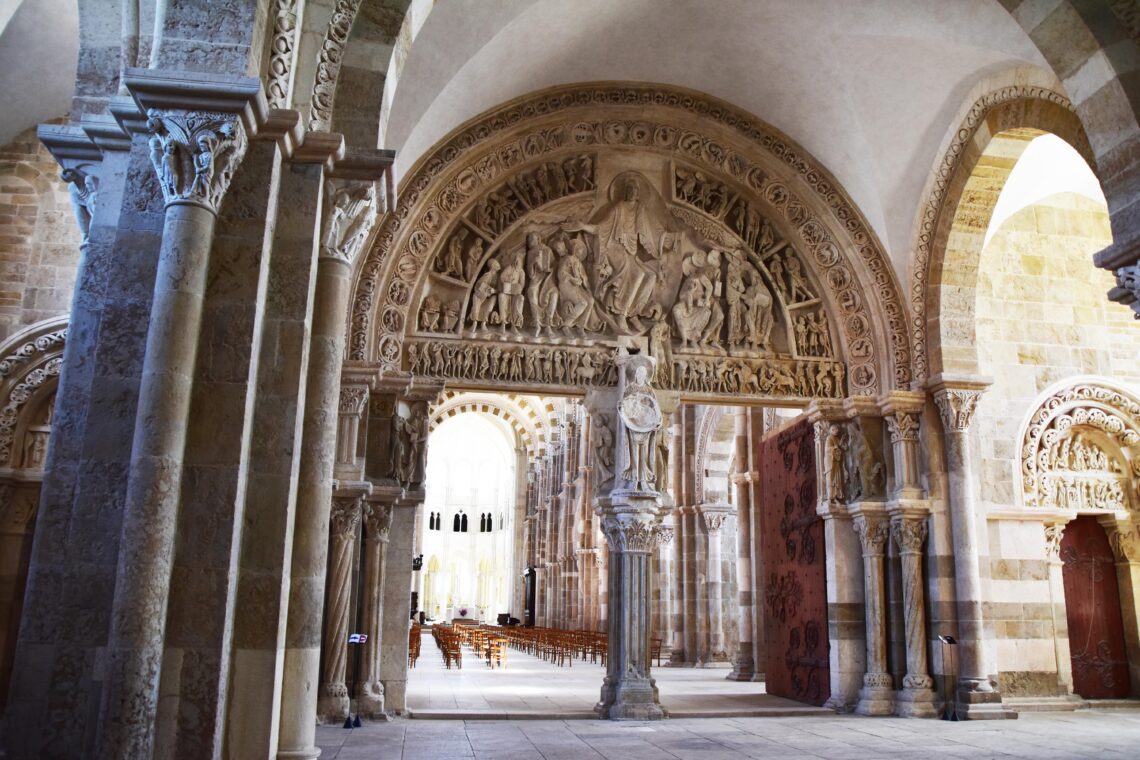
482 522
490 523
455 524
463 524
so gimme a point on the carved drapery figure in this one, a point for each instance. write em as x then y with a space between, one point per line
83 189
540 291
640 415
483 298
349 215
603 442
835 454
195 154
512 278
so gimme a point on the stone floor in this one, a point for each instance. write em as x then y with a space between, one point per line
529 686
1039 736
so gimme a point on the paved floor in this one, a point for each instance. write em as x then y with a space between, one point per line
529 685
1040 736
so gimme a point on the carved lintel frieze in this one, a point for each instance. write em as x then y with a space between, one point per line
195 154
347 217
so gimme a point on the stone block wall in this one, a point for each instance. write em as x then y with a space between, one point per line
1041 319
39 239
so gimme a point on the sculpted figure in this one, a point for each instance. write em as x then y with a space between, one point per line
575 301
453 257
474 256
690 312
429 315
450 315
540 291
797 284
641 416
511 281
416 432
397 447
626 234
483 296
603 450
661 349
734 294
758 303
710 274
835 454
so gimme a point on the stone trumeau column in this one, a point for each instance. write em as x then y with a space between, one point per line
628 506
910 510
957 399
196 142
348 207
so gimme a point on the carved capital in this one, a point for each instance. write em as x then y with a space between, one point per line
1053 535
195 154
903 426
909 534
345 516
628 535
1125 546
353 400
957 407
377 520
873 532
664 535
348 215
714 520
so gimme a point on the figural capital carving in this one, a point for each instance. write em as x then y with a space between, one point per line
195 154
345 516
377 520
348 216
909 534
873 532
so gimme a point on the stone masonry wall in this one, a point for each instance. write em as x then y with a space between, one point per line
1041 318
39 239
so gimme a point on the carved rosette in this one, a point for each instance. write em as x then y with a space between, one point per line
195 154
957 407
377 521
903 426
348 215
1053 536
873 533
628 535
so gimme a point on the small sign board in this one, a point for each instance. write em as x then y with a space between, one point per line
357 638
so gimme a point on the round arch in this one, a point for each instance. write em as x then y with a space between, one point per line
30 362
661 137
1080 448
528 416
959 203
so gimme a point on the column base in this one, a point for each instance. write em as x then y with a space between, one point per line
981 703
333 707
916 702
743 669
633 698
310 753
876 700
370 703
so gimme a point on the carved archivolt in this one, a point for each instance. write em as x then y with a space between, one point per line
1081 450
934 211
29 364
588 215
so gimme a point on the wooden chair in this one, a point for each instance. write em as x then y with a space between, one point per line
655 650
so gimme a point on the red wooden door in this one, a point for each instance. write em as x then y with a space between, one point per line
1092 602
795 588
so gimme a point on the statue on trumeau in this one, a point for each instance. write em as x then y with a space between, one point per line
640 416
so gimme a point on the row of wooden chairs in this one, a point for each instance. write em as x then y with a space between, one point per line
447 638
559 646
415 636
486 641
